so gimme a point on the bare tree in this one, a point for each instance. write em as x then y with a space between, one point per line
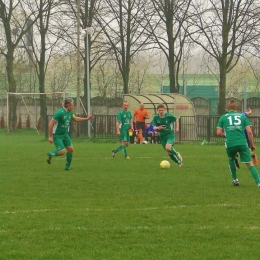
140 66
120 21
41 47
61 72
88 11
16 22
167 30
225 29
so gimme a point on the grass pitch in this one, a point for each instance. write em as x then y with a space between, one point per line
112 208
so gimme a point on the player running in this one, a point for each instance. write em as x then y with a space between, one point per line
163 122
232 126
58 131
123 124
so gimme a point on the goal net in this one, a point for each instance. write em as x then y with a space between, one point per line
28 107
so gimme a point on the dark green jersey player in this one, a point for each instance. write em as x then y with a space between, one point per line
123 125
232 126
58 131
164 122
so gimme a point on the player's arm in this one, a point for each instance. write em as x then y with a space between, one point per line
80 119
50 128
158 128
250 137
177 126
147 115
117 127
248 112
220 132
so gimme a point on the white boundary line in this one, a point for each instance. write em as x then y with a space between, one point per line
137 209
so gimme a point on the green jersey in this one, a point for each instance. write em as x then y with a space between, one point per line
166 121
124 117
62 118
233 125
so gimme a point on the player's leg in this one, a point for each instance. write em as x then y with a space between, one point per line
175 156
120 147
140 136
152 137
231 153
157 137
124 139
60 148
70 149
236 162
125 144
245 157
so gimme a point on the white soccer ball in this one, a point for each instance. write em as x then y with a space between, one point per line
144 142
165 164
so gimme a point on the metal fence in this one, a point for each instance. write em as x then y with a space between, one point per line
192 128
201 128
102 126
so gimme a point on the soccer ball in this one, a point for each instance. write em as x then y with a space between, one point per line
165 164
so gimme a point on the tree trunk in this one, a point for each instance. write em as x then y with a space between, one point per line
171 57
43 105
222 88
41 78
126 81
12 88
223 64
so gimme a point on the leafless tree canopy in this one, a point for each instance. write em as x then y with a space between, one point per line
225 30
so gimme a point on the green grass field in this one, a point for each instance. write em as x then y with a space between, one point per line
112 208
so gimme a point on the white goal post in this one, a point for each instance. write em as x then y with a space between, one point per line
32 110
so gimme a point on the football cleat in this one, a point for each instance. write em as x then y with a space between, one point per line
113 153
49 159
180 159
235 182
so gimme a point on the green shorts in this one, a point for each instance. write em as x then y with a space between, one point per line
124 135
243 150
62 141
167 139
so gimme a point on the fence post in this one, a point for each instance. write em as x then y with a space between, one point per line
208 130
94 126
180 135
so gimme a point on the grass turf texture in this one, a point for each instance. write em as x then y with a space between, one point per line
112 208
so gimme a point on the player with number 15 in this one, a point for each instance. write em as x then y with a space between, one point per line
232 126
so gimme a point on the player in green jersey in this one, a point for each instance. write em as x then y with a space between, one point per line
232 125
163 122
123 125
58 131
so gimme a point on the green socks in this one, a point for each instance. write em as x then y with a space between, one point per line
252 169
254 173
53 153
232 168
124 151
68 160
121 147
174 155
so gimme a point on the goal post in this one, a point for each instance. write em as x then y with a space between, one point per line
28 106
